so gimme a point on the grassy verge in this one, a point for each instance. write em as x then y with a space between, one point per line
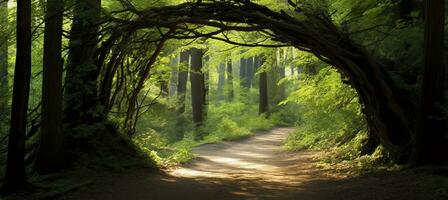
225 122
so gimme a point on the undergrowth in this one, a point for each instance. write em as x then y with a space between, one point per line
332 123
225 121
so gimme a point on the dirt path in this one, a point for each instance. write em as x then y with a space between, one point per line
254 168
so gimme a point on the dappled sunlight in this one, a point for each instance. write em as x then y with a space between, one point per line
258 158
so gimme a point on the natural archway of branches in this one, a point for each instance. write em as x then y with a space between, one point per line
386 106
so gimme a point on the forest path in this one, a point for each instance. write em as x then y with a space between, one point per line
253 168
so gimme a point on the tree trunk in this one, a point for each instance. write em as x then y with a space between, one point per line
50 153
273 77
229 83
243 73
250 72
182 81
15 177
174 76
81 103
4 85
108 80
206 82
221 81
263 104
281 91
197 87
430 145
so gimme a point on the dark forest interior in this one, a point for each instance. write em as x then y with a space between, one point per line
223 99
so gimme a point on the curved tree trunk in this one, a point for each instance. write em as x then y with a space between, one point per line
382 106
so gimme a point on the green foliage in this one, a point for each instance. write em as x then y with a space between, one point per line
225 121
333 124
330 111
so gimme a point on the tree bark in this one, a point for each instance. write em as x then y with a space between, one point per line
229 83
250 72
174 76
81 102
221 81
430 144
4 82
50 154
273 77
15 177
243 73
263 104
182 81
197 87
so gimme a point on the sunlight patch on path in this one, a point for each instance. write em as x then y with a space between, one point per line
259 158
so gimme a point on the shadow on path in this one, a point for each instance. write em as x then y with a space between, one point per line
255 168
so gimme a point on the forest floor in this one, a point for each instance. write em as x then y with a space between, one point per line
255 168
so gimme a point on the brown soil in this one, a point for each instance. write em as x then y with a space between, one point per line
255 168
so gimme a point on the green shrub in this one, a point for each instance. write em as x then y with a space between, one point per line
330 112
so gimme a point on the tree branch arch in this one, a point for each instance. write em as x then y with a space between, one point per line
315 33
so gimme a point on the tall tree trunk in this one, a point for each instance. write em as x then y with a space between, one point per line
182 81
273 77
430 144
4 85
221 81
206 73
263 104
15 177
243 73
229 83
281 95
250 72
174 76
197 87
183 68
257 65
50 153
81 82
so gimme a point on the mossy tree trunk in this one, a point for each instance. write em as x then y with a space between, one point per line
81 102
4 82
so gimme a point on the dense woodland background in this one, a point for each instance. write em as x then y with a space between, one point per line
120 82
